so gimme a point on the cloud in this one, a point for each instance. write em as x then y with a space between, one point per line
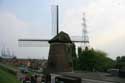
11 28
105 22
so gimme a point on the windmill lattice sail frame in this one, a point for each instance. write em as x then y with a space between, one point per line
55 30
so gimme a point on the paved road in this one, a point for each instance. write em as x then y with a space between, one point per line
96 77
94 81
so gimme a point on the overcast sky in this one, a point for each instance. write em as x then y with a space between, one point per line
32 18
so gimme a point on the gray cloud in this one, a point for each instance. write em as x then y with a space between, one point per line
105 22
10 30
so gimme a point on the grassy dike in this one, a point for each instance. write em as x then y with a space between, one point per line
6 77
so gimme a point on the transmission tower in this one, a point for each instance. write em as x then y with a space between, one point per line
85 37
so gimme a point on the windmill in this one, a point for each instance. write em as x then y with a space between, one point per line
55 30
61 46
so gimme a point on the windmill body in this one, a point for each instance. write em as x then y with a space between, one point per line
60 54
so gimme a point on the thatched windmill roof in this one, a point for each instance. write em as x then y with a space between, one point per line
62 37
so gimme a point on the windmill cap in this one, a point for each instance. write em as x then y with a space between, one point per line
62 37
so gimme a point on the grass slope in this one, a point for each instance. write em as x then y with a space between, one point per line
6 77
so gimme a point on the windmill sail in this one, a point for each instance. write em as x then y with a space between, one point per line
55 30
44 42
78 39
33 43
55 20
29 42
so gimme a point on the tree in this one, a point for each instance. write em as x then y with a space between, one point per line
85 59
92 60
74 56
0 59
120 62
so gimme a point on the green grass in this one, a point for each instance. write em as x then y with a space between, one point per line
6 77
